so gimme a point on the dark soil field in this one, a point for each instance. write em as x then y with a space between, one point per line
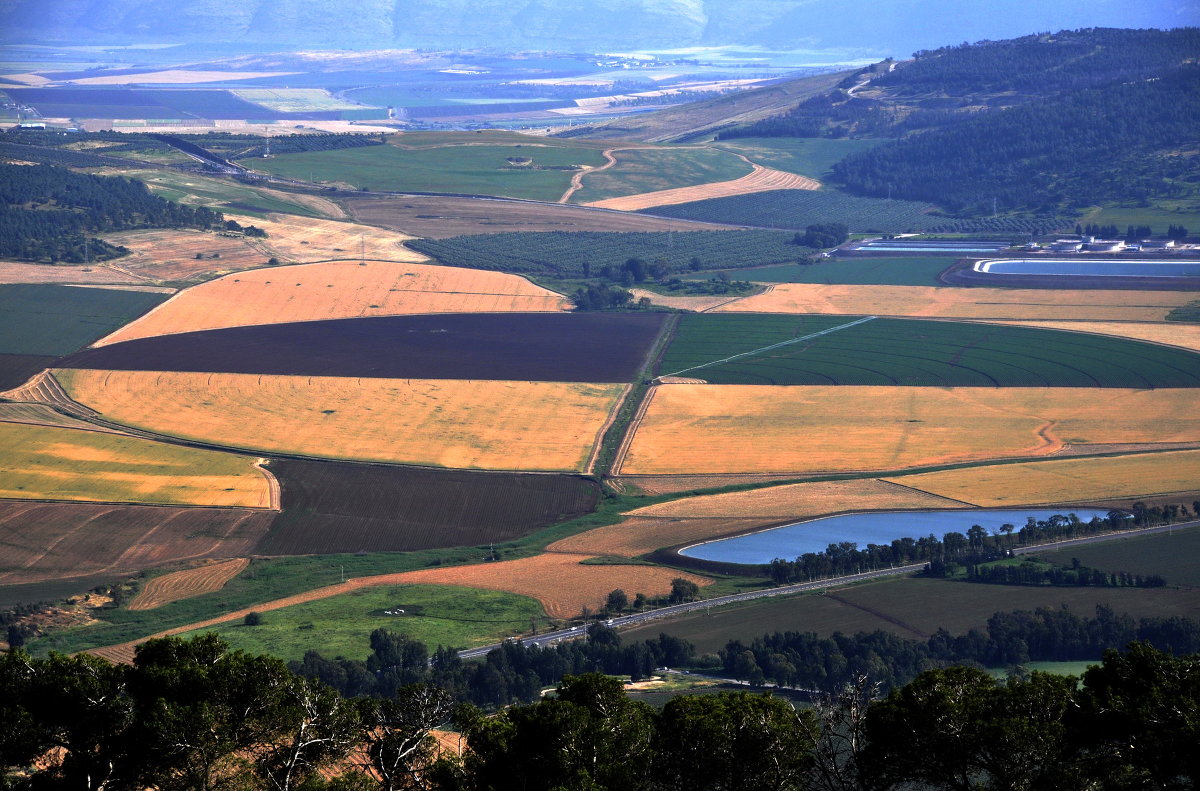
915 352
544 347
43 542
53 320
15 369
440 217
332 507
913 608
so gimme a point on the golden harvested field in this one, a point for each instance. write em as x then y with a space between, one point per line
44 415
444 423
179 585
967 303
176 76
170 254
1172 333
20 272
760 179
296 239
677 484
1065 480
637 535
715 429
338 290
562 584
49 463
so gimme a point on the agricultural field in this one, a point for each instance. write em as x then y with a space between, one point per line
333 507
179 254
476 168
718 429
864 271
223 194
714 516
53 542
434 614
642 170
549 347
903 607
50 320
526 426
1186 336
174 76
913 352
16 369
760 179
294 100
585 254
963 303
1171 555
302 240
441 217
811 156
43 415
338 290
1065 480
795 209
186 583
21 272
1160 216
51 463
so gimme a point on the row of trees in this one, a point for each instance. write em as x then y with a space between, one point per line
1076 575
192 715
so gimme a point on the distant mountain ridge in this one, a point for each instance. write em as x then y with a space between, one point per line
894 27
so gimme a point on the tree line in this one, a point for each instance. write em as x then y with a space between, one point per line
47 213
190 714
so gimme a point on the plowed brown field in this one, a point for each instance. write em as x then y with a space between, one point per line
715 429
179 585
560 582
170 254
338 290
698 304
1175 333
761 179
52 541
969 303
1065 480
18 272
438 422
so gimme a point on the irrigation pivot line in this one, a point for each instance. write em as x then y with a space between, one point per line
810 336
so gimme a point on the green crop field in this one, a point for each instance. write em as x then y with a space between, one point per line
911 607
874 270
341 625
807 156
1159 217
215 193
795 209
478 169
1171 555
585 253
650 170
916 352
56 320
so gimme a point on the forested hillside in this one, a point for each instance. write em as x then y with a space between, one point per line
47 213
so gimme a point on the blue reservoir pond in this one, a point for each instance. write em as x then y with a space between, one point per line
934 247
1093 268
791 541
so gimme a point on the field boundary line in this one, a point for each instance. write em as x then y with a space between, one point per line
930 494
634 423
274 490
781 344
598 443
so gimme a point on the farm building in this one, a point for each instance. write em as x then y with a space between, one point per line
1066 246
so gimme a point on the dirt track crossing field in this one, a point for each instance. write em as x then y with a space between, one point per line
717 429
179 585
337 290
761 179
526 426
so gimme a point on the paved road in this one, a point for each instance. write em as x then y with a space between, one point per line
786 590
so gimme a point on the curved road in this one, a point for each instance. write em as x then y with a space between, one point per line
786 590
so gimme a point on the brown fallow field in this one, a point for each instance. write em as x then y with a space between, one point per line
338 290
437 217
965 303
171 254
54 541
185 584
721 429
20 272
712 516
295 239
561 582
527 426
761 179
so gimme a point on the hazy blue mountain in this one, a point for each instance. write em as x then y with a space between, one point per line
895 27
